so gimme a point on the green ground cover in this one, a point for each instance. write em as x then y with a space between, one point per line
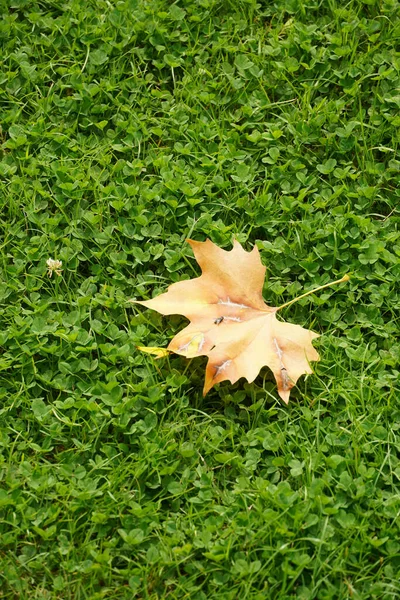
127 127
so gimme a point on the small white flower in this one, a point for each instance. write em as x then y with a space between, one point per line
54 266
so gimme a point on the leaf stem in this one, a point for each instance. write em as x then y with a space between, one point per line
321 287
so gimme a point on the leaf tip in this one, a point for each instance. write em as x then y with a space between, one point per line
285 396
206 389
142 302
193 242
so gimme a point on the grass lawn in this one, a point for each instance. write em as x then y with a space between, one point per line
127 127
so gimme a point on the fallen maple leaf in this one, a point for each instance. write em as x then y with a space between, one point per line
230 322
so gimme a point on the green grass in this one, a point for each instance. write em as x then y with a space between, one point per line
126 128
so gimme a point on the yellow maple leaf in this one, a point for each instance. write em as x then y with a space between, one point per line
230 322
